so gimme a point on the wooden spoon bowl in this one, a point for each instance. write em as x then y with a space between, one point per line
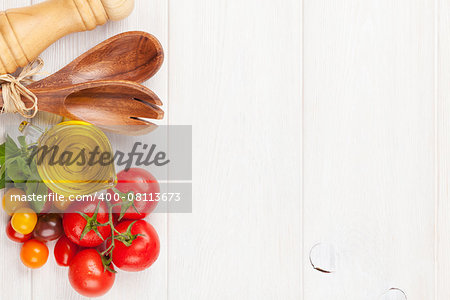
133 56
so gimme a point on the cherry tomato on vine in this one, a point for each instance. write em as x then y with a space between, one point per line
83 225
15 236
34 254
137 181
24 220
11 202
138 248
48 227
65 251
88 274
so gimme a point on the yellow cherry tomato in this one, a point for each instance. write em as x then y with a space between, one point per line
24 220
11 203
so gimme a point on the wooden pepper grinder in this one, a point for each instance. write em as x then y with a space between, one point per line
26 32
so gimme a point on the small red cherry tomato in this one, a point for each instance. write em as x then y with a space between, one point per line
16 236
64 251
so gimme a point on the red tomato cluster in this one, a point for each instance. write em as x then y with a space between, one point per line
85 242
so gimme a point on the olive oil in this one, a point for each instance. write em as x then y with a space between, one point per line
66 162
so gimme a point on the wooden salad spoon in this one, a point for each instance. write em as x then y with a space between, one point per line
116 106
134 56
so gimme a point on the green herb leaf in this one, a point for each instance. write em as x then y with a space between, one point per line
2 166
2 179
17 169
22 141
11 148
2 151
37 188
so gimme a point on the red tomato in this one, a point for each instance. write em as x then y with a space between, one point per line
15 236
75 225
88 276
137 181
64 251
135 253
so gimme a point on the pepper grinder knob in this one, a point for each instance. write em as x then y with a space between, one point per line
118 9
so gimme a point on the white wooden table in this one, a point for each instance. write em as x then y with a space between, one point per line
314 122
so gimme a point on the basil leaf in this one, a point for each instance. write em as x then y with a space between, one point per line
2 180
36 188
22 141
11 148
18 170
2 166
2 151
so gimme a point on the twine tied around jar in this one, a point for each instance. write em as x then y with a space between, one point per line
13 88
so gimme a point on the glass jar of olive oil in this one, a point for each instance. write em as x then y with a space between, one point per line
74 158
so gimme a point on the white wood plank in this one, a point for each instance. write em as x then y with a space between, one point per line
235 76
19 285
443 150
149 16
369 147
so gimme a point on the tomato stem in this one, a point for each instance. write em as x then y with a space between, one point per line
128 200
127 238
91 223
108 252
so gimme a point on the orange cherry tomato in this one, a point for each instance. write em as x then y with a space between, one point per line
34 254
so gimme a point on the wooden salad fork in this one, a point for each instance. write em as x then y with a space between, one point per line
116 106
